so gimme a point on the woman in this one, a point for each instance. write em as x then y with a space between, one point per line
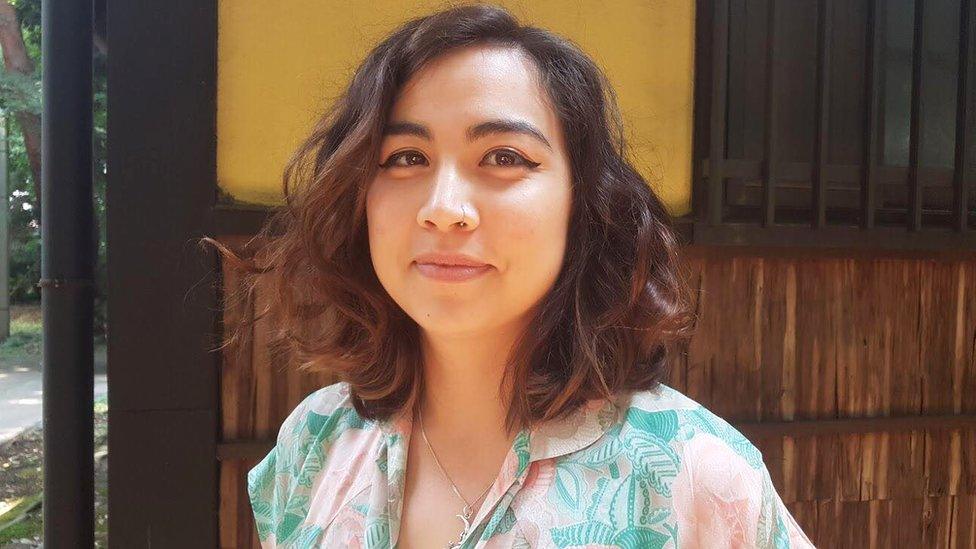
465 246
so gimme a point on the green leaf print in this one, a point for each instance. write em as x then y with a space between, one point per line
663 424
378 532
568 486
308 537
583 533
640 538
521 448
293 516
503 524
712 424
287 525
589 533
653 459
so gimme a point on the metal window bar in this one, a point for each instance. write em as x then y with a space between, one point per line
914 220
872 107
771 174
720 67
818 176
964 110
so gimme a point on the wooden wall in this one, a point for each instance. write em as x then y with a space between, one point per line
809 340
855 377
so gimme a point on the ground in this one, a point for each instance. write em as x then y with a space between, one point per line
21 479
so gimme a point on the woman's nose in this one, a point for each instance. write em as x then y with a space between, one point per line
447 206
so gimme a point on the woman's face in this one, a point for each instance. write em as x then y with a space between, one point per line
470 134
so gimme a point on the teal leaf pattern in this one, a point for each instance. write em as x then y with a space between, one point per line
640 538
521 448
568 487
654 460
378 532
589 533
664 424
708 422
308 537
583 533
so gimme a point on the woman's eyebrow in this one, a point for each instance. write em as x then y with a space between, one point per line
488 127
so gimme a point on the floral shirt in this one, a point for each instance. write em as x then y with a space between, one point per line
654 469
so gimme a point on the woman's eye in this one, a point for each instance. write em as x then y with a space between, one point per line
506 157
404 159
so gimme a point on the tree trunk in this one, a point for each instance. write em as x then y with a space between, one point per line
16 59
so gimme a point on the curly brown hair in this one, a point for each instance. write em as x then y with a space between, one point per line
616 313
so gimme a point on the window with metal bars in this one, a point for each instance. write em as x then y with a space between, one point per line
835 123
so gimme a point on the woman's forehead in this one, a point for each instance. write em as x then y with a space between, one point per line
473 84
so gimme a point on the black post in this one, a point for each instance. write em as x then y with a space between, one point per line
67 272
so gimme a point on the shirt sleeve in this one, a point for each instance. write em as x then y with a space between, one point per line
271 483
776 526
725 497
267 497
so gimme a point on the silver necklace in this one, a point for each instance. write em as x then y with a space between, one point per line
465 514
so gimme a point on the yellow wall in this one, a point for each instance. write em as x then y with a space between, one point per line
280 64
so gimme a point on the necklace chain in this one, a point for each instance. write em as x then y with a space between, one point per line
468 507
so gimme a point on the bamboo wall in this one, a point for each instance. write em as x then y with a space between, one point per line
810 340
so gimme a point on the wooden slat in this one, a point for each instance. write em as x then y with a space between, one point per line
230 516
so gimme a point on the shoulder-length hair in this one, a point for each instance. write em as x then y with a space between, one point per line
618 309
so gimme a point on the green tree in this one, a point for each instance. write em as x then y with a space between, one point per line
20 101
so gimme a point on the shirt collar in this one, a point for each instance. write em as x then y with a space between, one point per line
549 439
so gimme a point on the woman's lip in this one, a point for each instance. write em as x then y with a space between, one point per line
451 273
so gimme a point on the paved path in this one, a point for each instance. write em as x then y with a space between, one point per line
20 400
21 390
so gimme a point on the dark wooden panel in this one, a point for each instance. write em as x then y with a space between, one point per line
162 292
163 478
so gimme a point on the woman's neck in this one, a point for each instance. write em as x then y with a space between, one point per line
463 398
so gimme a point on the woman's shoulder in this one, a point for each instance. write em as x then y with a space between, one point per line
279 486
672 417
322 415
715 477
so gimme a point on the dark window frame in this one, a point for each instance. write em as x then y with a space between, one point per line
770 221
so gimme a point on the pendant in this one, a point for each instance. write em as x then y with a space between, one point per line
464 516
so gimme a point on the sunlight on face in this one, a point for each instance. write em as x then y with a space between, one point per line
471 134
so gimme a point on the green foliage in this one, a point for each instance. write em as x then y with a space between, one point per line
25 340
22 93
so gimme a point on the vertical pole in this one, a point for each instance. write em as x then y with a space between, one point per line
872 108
772 121
716 155
819 176
4 235
67 272
962 181
915 185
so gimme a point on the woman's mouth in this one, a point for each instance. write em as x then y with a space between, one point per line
451 273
